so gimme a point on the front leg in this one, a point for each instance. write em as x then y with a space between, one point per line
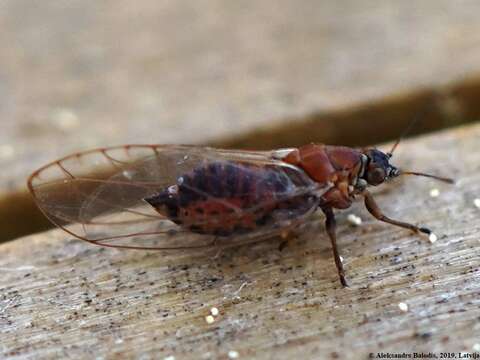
373 209
331 227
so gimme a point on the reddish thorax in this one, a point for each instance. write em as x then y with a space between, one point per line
338 165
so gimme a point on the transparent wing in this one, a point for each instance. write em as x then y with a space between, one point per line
98 195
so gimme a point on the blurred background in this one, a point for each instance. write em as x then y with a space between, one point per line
252 74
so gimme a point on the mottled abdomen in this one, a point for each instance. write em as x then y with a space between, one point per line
225 197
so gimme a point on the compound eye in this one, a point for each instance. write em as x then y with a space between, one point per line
376 176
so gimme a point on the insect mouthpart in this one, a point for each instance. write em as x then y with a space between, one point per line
393 172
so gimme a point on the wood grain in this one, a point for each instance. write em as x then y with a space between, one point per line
60 297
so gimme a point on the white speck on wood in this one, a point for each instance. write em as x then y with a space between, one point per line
354 220
214 311
434 193
232 354
403 306
476 202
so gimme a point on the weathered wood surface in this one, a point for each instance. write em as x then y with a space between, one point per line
62 297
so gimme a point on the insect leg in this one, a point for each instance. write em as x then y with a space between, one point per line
373 209
331 227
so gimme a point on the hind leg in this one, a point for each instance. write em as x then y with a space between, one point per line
331 227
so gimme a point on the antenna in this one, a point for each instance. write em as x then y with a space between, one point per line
439 178
415 120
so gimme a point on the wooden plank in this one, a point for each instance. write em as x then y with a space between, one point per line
63 297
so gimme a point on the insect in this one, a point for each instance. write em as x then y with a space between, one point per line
144 196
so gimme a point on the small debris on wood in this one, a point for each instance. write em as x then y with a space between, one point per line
214 311
476 202
232 354
354 220
434 193
403 306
